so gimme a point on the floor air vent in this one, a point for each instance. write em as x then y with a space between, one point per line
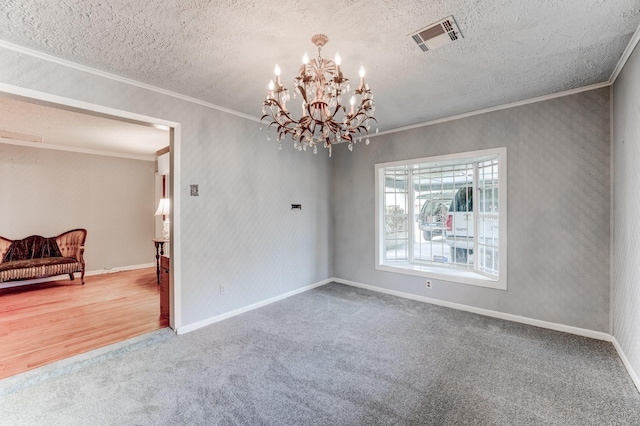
437 35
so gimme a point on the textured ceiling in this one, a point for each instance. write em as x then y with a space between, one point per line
20 121
223 52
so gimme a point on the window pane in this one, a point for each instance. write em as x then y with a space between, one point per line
442 213
487 219
396 230
434 189
396 238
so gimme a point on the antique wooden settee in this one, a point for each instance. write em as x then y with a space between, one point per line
37 257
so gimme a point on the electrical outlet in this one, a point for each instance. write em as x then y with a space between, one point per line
223 289
428 283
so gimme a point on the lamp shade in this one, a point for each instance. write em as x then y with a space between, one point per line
163 207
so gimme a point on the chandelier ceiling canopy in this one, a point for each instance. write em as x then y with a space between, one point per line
324 119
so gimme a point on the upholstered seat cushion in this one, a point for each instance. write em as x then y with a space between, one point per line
37 268
33 263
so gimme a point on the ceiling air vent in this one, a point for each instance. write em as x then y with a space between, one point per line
437 35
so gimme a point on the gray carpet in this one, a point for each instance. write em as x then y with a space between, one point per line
335 355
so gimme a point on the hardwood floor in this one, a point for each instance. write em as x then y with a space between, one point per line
43 323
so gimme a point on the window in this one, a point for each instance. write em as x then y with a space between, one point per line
444 217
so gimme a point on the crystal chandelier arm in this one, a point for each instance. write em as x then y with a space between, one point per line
303 93
322 85
362 114
282 127
271 102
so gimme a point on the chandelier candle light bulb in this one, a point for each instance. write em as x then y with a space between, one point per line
324 119
276 70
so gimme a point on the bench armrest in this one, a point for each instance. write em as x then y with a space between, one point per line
4 246
71 243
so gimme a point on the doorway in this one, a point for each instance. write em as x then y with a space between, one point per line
172 130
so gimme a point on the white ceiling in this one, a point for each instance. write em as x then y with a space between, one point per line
22 122
223 52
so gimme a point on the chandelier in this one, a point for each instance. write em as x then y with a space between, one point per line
324 119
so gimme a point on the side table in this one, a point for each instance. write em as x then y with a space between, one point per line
159 243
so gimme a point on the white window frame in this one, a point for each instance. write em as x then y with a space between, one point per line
443 272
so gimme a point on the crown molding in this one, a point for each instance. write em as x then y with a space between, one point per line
77 150
70 64
496 108
620 65
625 56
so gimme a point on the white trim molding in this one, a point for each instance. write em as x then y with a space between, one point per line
627 53
120 269
446 271
175 146
496 108
486 312
627 364
80 150
175 277
95 71
221 317
74 105
625 56
598 335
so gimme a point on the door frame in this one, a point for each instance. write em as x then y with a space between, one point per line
42 98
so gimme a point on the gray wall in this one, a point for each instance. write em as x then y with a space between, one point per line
626 210
558 202
48 192
240 231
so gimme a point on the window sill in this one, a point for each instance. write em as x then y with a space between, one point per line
457 276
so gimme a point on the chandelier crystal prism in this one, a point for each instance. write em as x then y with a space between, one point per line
324 119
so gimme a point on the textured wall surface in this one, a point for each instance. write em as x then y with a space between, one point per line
558 202
240 231
626 211
47 192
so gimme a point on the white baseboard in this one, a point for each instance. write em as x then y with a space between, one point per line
509 317
9 284
627 364
598 335
119 269
217 318
487 312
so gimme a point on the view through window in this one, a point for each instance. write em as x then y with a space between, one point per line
444 214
